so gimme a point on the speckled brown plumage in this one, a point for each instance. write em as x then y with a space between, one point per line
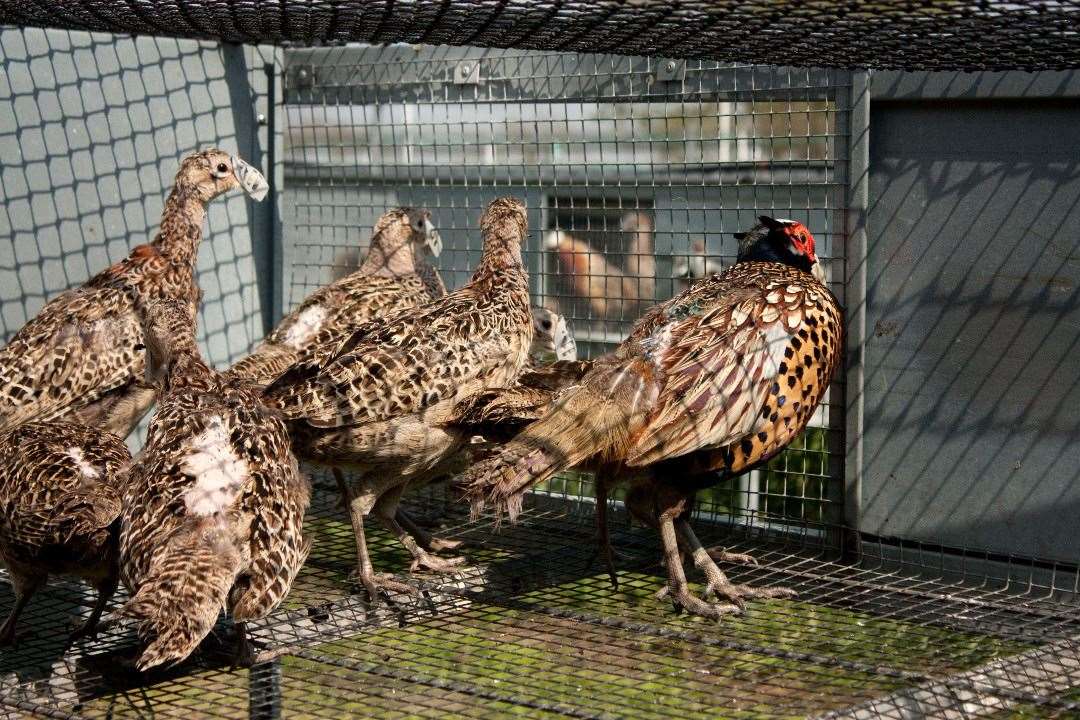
378 404
214 504
709 384
80 357
60 486
396 274
498 414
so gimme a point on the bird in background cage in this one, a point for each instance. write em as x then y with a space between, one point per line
694 266
708 385
612 293
213 506
379 404
396 273
80 358
60 490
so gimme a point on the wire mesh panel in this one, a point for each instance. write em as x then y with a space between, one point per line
532 628
636 173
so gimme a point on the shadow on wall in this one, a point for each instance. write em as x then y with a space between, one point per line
92 128
974 322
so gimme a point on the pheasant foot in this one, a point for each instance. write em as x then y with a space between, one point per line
424 539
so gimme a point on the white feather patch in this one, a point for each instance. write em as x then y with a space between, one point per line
305 327
87 470
776 339
220 474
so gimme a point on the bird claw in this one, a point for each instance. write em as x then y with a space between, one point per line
739 594
439 544
722 555
88 629
683 599
435 563
378 583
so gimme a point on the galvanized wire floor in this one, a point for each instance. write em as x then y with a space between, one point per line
531 627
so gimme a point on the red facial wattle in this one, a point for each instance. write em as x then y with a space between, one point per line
802 242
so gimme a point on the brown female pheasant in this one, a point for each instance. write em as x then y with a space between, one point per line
214 504
378 405
396 274
59 510
710 384
80 356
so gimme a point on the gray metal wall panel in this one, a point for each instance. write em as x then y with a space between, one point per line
973 295
92 128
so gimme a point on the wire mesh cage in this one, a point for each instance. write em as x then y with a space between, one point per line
636 169
636 173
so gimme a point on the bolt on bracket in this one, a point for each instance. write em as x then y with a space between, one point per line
671 71
467 72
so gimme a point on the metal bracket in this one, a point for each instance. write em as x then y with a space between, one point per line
303 76
671 71
467 72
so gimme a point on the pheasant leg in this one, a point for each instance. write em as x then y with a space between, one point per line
716 582
603 535
105 589
244 656
365 571
425 539
678 589
386 510
24 587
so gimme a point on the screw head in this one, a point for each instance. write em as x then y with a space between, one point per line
260 118
670 66
466 69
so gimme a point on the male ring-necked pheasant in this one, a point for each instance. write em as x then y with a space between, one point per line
710 384
396 274
81 356
213 505
60 488
378 405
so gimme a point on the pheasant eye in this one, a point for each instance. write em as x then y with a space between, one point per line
222 167
546 324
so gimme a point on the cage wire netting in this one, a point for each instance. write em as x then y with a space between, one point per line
639 165
913 34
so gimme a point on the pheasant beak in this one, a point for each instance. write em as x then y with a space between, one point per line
434 239
565 345
250 179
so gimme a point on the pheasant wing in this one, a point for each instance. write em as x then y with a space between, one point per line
716 370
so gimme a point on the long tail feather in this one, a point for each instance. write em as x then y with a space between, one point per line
580 425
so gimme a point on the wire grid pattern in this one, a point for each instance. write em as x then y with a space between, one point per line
531 627
635 177
915 34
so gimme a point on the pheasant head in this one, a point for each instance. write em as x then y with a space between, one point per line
784 241
210 173
401 235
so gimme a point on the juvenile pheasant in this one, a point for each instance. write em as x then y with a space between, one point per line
378 406
80 357
709 385
59 510
396 274
213 506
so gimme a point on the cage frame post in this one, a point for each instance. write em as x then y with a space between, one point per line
855 258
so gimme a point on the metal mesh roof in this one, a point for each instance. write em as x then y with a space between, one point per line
898 34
